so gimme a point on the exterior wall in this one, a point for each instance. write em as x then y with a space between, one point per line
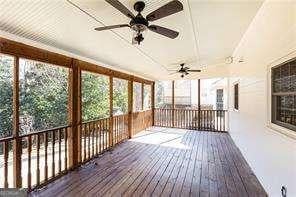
270 39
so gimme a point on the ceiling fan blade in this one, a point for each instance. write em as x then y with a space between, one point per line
119 6
111 27
166 10
164 31
193 70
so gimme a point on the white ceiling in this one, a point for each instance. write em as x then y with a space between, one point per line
209 32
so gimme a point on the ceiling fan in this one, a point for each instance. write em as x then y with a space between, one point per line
184 70
139 24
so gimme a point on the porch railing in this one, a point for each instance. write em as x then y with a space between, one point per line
44 154
208 120
43 157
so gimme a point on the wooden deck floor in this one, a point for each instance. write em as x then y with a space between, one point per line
163 162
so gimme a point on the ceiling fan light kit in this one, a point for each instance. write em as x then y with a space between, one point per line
139 24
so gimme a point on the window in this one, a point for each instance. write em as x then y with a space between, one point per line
120 96
6 84
219 99
236 106
163 94
284 95
43 96
147 97
95 96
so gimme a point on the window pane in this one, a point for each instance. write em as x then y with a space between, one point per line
6 95
147 97
137 105
182 93
43 96
120 96
286 109
236 96
95 96
163 94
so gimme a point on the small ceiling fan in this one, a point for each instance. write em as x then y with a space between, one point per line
139 24
184 70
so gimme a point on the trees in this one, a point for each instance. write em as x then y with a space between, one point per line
6 91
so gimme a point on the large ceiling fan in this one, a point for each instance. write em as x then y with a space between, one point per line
139 24
184 70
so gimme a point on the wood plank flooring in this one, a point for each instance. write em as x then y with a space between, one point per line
163 162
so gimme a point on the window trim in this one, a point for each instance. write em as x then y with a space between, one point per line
272 126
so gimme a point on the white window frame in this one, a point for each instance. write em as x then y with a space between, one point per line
274 127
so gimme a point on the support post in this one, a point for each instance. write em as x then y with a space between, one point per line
173 103
74 115
153 101
130 109
17 146
199 107
142 95
111 111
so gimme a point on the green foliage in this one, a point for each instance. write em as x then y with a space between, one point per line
120 96
95 96
43 96
6 77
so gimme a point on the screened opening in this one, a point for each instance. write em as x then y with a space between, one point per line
6 95
120 96
95 96
163 94
284 95
137 96
147 97
43 96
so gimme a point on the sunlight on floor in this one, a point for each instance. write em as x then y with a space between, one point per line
162 136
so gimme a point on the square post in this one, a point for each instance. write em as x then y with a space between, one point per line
111 111
142 96
199 107
173 103
130 108
17 144
153 101
74 115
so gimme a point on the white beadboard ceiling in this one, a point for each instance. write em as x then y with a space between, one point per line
209 32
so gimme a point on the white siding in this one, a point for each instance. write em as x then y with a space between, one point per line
270 38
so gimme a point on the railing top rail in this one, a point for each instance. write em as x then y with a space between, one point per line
225 110
45 131
95 120
6 139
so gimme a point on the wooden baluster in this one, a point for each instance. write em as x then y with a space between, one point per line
96 130
53 154
38 160
66 149
5 151
93 139
45 156
84 142
29 162
60 148
88 141
100 136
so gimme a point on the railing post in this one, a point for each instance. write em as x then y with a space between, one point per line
173 103
142 95
74 114
199 107
111 111
130 108
17 146
153 101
